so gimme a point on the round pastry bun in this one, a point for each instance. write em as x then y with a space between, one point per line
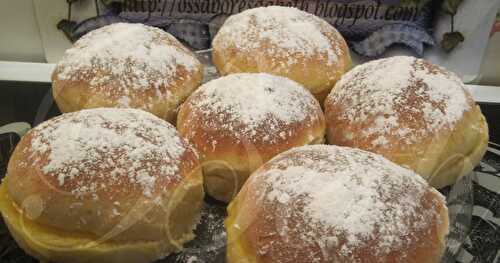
282 41
322 203
102 185
240 121
126 66
414 113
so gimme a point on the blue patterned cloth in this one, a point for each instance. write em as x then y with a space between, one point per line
414 37
192 33
369 37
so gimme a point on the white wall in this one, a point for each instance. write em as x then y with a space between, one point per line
19 35
490 69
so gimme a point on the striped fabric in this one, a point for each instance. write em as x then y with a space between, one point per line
483 243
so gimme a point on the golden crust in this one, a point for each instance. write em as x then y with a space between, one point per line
227 166
272 232
54 245
315 71
159 91
74 95
441 156
262 222
118 212
229 153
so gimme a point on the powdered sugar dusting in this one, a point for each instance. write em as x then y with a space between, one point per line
132 56
289 30
110 143
247 102
350 197
382 92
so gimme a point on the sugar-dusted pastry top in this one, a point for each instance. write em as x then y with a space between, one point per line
97 152
321 203
398 97
123 58
257 106
282 32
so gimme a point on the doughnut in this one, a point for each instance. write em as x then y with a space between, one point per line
412 112
102 185
324 203
282 41
126 66
240 121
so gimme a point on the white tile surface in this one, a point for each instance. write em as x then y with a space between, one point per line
25 71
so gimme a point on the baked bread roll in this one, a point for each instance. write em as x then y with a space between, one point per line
127 66
240 121
333 204
414 113
282 41
102 185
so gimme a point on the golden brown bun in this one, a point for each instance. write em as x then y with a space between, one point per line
102 184
414 113
240 121
127 66
282 41
333 204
